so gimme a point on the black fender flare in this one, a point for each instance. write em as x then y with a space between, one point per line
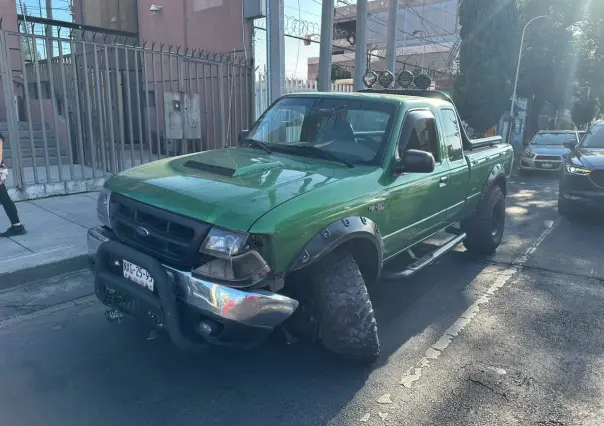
497 176
338 233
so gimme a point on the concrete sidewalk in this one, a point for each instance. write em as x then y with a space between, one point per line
55 242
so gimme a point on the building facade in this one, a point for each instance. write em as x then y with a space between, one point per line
211 25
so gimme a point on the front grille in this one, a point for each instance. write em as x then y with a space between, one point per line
549 165
597 177
169 237
549 157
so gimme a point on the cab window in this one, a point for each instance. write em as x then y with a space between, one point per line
451 135
419 132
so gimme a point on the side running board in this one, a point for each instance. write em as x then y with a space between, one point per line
426 260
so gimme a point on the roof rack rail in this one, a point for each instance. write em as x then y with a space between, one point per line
435 94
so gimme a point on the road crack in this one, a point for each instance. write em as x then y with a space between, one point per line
491 388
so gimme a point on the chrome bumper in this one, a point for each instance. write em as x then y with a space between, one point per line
527 163
257 308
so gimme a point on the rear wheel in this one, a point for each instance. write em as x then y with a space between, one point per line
347 323
485 227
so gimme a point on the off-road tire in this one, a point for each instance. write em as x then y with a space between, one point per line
485 227
346 321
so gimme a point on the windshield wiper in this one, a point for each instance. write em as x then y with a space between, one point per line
322 153
258 144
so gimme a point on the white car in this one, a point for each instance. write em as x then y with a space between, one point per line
546 150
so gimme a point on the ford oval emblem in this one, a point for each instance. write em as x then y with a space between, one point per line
142 231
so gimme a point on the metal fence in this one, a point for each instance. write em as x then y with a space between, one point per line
291 85
94 106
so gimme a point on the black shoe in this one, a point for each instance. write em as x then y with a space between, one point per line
14 231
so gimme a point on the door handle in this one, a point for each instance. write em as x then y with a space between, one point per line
444 179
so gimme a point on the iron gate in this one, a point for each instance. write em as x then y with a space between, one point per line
94 107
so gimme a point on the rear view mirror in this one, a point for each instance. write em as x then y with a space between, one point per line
416 161
242 135
570 144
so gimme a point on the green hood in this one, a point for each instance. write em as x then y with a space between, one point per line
231 188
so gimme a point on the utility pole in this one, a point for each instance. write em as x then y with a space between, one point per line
49 50
360 52
391 37
275 47
518 72
326 43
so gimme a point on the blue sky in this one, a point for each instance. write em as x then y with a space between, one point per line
60 8
296 53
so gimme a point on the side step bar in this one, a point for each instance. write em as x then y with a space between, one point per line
424 261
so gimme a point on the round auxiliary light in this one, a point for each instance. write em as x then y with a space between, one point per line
369 79
422 82
405 79
385 79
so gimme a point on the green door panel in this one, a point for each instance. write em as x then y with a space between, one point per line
416 207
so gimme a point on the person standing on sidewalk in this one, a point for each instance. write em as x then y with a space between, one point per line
16 227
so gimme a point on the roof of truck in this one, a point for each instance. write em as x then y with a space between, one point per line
391 96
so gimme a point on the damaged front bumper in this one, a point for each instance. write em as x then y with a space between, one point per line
192 310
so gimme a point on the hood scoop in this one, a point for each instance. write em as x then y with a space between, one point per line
218 170
258 167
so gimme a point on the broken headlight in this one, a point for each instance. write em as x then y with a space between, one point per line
102 207
224 243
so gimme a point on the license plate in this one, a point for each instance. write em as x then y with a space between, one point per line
137 274
547 165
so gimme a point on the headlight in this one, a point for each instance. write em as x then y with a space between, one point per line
244 270
528 154
574 170
102 207
221 243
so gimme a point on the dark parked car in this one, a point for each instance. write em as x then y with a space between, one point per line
582 179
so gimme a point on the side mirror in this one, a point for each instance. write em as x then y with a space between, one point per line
243 135
416 161
570 144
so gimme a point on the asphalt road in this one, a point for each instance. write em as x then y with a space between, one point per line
512 339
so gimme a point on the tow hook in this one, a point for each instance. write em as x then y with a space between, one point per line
113 315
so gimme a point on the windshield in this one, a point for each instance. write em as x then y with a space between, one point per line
553 138
354 130
594 138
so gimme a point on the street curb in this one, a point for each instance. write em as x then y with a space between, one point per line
40 272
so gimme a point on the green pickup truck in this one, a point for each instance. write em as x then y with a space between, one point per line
288 228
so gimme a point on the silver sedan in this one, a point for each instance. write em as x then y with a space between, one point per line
547 150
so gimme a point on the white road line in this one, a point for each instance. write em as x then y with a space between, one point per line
415 373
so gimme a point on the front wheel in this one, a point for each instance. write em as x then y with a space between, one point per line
485 227
564 209
347 323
